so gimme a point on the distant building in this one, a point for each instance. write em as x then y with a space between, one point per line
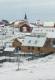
1 24
5 22
39 23
23 26
48 24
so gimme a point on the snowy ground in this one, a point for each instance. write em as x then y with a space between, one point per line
38 69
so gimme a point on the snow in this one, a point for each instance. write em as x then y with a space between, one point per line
49 31
48 23
33 41
2 57
9 49
38 69
51 35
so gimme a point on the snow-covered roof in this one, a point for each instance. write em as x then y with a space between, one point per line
38 22
51 35
33 26
49 31
49 23
9 49
38 29
34 41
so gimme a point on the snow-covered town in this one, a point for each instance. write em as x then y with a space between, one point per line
27 39
27 50
21 35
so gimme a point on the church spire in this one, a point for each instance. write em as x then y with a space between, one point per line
25 17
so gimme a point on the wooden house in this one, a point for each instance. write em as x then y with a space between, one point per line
16 43
37 45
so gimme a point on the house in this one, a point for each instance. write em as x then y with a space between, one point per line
45 23
1 24
7 30
36 44
48 24
32 43
5 22
47 30
23 26
39 23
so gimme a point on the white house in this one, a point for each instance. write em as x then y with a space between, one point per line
48 24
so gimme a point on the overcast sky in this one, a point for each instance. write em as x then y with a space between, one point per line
35 9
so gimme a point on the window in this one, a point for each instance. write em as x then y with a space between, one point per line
29 41
32 48
35 41
28 48
54 41
38 48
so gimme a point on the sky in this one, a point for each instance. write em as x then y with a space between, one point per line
35 9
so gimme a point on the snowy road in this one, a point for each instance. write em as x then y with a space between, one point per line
38 69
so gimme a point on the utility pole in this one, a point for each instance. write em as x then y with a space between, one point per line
18 59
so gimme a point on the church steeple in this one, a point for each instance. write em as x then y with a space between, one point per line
25 17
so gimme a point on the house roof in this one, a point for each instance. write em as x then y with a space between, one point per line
20 23
1 24
32 25
51 35
34 41
49 31
49 24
